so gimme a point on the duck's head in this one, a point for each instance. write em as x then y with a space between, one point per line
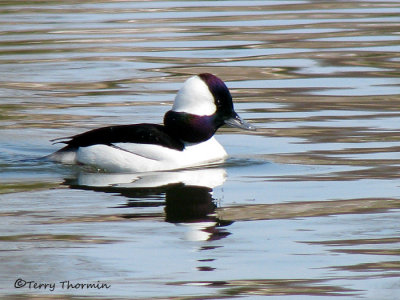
202 105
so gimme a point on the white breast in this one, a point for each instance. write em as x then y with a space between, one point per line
130 157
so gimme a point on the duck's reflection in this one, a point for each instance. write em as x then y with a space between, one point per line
186 195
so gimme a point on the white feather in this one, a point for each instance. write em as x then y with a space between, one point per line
130 157
195 98
64 157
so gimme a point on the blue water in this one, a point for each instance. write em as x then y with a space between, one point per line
308 205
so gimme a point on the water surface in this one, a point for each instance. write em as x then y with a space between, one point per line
308 205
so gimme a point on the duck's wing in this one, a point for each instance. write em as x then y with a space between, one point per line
137 134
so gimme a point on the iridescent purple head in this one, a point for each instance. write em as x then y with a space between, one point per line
222 96
202 105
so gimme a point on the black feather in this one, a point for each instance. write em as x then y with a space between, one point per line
138 133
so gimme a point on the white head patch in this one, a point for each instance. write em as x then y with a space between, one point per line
195 98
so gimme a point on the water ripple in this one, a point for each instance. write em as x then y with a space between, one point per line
307 205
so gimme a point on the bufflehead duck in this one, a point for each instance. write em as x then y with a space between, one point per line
202 105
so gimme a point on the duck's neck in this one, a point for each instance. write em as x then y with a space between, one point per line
191 128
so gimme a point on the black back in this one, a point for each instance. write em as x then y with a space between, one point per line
138 133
